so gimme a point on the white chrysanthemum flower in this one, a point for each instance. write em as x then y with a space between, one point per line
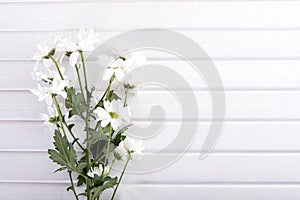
118 155
85 40
45 47
52 113
129 147
113 113
118 68
133 146
123 65
47 74
98 171
136 59
45 93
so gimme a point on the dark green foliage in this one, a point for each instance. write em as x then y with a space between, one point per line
64 153
106 183
75 102
119 137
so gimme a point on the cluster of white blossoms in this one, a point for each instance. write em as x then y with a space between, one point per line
115 112
110 110
51 78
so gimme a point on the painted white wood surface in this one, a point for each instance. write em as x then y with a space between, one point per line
255 47
223 44
235 74
240 105
126 16
248 137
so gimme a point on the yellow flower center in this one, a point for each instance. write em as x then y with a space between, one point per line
114 115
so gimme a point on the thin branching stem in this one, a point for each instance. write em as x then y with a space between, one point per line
108 144
80 84
87 121
59 114
123 172
72 185
84 71
63 122
57 67
126 97
73 136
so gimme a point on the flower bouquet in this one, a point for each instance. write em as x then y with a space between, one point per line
71 103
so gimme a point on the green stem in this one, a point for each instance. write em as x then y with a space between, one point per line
108 144
124 169
88 146
112 165
73 136
126 97
107 91
72 186
63 122
80 84
57 67
87 121
59 114
84 71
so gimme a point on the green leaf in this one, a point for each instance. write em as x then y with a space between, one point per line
71 126
81 166
90 94
119 137
69 188
98 149
75 101
60 169
112 96
81 180
64 153
108 183
97 135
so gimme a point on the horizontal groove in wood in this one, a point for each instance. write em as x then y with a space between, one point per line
214 152
164 185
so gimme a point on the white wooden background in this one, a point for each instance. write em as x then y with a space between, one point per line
256 48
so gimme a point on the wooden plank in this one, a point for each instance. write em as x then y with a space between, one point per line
235 75
140 15
240 105
216 168
37 191
257 44
236 137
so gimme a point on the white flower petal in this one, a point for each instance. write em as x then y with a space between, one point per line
119 73
48 63
74 58
115 124
91 174
101 114
104 60
108 106
49 100
105 122
107 74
